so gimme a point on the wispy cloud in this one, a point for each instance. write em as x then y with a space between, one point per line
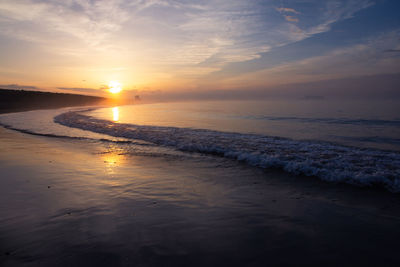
287 10
81 90
171 36
55 21
365 58
18 87
291 18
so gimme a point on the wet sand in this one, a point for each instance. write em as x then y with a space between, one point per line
82 203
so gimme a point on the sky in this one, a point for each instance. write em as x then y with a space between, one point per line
202 48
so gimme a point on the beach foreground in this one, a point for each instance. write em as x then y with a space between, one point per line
85 203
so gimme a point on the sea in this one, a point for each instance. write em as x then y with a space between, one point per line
342 141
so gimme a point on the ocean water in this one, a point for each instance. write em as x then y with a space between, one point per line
354 142
354 123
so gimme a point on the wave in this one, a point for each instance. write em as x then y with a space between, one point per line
372 139
345 121
26 131
330 162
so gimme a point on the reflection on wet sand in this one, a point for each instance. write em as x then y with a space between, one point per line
112 160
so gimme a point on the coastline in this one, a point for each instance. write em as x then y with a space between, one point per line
20 100
87 203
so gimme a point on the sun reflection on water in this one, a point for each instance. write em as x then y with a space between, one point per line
115 111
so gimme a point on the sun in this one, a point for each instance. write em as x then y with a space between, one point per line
114 87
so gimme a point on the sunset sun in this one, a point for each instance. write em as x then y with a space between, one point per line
114 87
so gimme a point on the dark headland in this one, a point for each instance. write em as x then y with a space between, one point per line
21 100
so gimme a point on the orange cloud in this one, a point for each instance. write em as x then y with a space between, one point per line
291 18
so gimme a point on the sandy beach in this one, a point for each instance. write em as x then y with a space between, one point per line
88 203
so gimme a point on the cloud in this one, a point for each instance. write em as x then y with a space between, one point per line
18 87
167 36
287 10
335 11
93 91
291 18
41 21
364 58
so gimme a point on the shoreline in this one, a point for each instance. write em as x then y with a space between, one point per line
372 186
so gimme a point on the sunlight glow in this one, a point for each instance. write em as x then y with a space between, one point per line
114 87
115 111
112 161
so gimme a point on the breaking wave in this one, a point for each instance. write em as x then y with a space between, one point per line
329 162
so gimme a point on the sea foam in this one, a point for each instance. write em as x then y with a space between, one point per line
330 162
